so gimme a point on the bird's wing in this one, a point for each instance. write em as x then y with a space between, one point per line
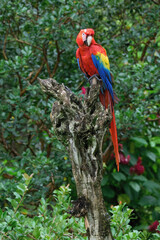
78 57
101 62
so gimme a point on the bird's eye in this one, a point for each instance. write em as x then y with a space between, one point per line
83 37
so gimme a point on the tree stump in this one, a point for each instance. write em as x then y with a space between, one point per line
80 125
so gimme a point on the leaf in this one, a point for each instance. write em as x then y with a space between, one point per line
21 188
26 176
18 197
154 141
151 155
135 186
104 180
149 59
148 201
140 141
14 203
36 232
151 185
140 178
24 211
119 176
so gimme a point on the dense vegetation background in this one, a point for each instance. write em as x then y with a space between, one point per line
38 39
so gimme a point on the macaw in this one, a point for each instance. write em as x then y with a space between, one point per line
93 61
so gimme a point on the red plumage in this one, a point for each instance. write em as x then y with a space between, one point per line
85 60
92 59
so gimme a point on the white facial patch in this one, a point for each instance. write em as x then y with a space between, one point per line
84 37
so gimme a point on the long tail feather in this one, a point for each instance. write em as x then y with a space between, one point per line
105 99
113 132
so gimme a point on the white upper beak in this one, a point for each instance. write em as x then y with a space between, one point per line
89 40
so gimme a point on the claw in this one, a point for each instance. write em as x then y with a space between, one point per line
68 90
94 76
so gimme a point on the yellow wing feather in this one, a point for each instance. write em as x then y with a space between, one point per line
103 59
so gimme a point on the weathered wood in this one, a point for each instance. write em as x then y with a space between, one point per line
80 125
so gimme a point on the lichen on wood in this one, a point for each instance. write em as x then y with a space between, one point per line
80 125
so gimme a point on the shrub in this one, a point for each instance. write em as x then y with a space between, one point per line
50 221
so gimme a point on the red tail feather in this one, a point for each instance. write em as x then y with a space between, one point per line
105 99
113 132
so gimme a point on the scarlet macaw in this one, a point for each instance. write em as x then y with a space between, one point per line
92 60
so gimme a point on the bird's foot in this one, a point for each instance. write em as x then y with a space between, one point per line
93 79
69 90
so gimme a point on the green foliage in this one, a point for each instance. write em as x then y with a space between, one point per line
120 224
51 221
38 39
122 230
141 192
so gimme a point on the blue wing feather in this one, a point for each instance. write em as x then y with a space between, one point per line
104 74
78 63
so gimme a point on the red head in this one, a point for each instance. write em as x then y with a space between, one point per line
85 37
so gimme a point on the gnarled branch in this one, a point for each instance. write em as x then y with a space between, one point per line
80 125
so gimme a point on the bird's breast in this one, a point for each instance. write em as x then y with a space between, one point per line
87 64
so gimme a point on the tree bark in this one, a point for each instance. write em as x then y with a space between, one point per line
80 125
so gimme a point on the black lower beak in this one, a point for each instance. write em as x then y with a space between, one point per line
86 43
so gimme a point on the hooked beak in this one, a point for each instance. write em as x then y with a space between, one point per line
88 41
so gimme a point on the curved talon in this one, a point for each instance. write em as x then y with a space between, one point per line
94 76
69 90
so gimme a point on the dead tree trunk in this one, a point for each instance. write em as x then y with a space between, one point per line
80 126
